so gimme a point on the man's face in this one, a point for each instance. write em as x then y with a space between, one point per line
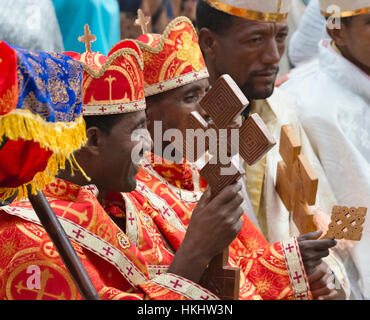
356 41
174 106
250 53
118 171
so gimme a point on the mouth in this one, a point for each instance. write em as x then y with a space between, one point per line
267 74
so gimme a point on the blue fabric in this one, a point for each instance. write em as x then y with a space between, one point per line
49 85
103 17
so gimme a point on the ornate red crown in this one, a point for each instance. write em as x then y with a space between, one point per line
172 59
112 84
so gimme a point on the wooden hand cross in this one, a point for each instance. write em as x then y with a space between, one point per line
296 181
224 103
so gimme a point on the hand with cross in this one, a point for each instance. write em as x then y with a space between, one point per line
313 250
215 228
224 103
208 234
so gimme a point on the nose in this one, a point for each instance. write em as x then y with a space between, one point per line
203 113
271 55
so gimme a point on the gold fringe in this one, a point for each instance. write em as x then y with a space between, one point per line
61 138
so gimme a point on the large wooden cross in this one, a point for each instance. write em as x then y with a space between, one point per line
296 180
87 38
224 102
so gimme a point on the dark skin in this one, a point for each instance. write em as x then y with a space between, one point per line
173 106
250 51
106 156
353 40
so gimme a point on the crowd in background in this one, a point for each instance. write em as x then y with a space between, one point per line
111 20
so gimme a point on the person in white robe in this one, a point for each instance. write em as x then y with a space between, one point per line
247 58
304 43
333 95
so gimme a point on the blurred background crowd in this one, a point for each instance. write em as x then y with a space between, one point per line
54 25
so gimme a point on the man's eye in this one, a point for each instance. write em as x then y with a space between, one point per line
191 98
255 40
282 36
141 126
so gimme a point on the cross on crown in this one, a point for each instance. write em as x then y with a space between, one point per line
87 38
142 21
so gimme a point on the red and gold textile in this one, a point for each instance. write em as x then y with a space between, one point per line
133 264
41 123
31 268
172 59
112 84
267 271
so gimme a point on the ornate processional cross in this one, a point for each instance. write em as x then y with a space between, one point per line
346 223
87 38
296 180
296 184
224 102
142 21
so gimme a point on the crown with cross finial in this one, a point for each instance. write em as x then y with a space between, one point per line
344 8
258 10
172 59
111 84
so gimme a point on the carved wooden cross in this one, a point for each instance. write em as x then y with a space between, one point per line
346 223
142 21
296 180
87 38
224 102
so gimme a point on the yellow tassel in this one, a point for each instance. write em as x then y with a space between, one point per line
61 138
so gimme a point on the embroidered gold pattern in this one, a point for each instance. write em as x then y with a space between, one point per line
190 51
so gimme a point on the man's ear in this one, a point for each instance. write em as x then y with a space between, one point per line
208 44
338 35
94 140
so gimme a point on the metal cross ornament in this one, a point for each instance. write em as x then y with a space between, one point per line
87 38
142 21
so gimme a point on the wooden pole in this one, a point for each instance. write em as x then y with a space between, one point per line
62 243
